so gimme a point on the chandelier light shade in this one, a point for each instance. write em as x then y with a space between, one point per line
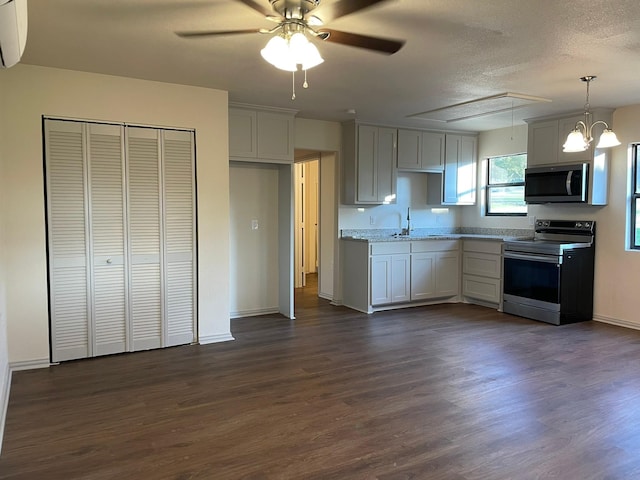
581 136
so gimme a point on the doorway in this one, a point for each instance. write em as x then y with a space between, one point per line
306 250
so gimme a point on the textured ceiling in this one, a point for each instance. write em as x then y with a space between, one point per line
455 51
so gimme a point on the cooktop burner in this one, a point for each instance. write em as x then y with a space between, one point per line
553 237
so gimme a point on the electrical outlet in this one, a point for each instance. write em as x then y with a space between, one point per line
254 224
372 220
532 220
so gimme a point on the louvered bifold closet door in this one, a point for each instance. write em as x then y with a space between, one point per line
179 207
143 167
108 238
67 240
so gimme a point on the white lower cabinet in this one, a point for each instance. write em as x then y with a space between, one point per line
390 273
482 271
381 275
435 266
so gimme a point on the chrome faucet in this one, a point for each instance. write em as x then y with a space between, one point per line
407 231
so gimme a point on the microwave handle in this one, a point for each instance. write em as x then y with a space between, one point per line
568 182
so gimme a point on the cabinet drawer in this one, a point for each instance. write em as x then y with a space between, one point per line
434 246
483 264
481 288
483 246
389 248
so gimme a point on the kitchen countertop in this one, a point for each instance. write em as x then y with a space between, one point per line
444 236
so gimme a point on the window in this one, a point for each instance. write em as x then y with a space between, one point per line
635 197
505 185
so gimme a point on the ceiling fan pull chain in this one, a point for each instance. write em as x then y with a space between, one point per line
293 85
305 84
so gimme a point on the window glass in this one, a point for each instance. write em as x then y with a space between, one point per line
505 185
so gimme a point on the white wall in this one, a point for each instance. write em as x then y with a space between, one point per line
31 92
411 192
494 143
253 253
5 375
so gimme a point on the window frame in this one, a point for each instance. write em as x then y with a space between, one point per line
634 197
489 186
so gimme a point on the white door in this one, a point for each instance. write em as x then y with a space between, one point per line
67 235
145 272
179 236
105 165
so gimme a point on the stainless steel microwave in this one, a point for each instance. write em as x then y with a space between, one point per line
557 184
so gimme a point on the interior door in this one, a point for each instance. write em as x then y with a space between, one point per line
107 234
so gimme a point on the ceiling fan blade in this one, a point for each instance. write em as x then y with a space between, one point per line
258 8
344 7
382 45
211 33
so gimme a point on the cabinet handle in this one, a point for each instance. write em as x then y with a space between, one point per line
109 260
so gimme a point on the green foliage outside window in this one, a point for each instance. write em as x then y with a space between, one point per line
505 185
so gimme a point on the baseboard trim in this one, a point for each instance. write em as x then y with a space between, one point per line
616 321
255 312
221 337
326 296
4 401
30 364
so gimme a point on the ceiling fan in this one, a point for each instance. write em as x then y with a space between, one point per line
298 16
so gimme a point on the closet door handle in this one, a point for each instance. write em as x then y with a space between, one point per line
109 260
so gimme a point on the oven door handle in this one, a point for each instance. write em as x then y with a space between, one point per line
530 257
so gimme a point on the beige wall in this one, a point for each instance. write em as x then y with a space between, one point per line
31 92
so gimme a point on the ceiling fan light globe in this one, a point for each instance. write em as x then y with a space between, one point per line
312 57
298 47
608 139
575 142
276 52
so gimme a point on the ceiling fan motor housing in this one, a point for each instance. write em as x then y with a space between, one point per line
294 9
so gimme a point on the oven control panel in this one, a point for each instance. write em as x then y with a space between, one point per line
565 225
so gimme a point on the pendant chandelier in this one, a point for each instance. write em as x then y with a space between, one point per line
581 136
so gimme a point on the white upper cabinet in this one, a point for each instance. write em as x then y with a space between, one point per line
457 185
261 135
369 164
420 151
546 137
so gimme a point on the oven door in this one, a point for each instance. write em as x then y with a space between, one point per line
532 285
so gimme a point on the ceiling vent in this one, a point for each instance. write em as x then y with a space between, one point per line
494 104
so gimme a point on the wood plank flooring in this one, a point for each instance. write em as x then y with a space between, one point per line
442 392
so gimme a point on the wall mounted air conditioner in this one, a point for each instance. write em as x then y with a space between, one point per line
13 31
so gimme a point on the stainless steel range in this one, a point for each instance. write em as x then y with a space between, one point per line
550 278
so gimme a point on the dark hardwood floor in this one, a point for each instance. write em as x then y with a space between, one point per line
442 392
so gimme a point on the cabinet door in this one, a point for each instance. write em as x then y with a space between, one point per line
433 151
366 164
423 282
381 279
410 150
386 164
466 179
450 181
542 143
275 136
242 133
400 278
447 274
565 126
